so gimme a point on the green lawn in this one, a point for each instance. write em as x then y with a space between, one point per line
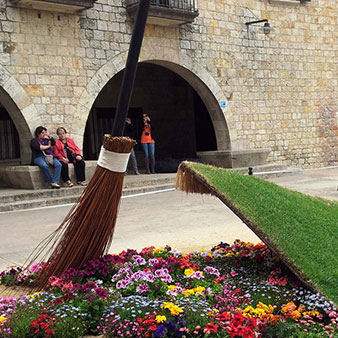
303 228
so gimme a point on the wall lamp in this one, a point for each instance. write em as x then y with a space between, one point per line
266 28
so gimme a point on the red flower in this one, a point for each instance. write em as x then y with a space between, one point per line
210 327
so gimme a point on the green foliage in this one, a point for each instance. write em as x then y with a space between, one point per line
69 327
303 228
93 310
283 329
20 322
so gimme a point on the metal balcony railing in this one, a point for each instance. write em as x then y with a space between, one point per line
183 5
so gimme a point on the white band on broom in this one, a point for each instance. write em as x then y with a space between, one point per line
113 161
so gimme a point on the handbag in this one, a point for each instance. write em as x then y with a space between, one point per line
49 158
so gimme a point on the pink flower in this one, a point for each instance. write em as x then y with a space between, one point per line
67 286
55 281
35 267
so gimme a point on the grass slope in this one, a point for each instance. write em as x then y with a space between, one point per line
301 227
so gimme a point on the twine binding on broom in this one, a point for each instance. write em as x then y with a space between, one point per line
190 181
113 161
87 231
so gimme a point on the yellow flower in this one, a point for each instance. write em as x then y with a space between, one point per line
174 309
312 313
188 292
188 272
158 250
261 311
2 320
161 319
289 307
172 287
266 308
34 295
199 289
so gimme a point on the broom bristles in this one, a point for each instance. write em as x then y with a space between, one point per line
87 231
186 181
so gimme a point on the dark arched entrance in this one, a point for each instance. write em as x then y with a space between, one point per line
183 124
9 138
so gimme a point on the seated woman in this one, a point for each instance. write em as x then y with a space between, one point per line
68 152
41 145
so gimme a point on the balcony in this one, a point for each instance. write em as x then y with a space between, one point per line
166 12
62 6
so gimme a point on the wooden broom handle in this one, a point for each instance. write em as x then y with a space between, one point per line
131 67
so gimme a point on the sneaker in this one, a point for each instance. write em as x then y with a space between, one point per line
55 185
83 183
69 183
137 172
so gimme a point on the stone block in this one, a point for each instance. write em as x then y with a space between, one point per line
30 177
219 158
246 158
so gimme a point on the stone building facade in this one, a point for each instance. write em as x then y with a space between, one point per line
217 83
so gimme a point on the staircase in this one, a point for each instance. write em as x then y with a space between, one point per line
19 199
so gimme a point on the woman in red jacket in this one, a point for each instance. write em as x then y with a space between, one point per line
68 152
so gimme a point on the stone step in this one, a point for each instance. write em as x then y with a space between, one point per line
70 199
129 183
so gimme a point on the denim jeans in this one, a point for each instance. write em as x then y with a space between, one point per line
148 149
41 162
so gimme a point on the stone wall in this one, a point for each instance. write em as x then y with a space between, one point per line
280 88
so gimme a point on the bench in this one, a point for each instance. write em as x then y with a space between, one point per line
30 177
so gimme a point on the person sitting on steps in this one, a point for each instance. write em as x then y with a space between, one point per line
41 147
68 152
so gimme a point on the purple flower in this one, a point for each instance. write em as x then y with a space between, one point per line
166 279
149 277
212 271
115 277
197 275
160 331
139 275
88 286
122 284
153 261
101 293
138 260
142 288
161 272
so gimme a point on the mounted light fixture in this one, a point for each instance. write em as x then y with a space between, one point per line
266 28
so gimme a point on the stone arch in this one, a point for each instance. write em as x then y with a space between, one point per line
21 110
192 72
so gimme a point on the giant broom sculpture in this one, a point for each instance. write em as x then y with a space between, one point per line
87 231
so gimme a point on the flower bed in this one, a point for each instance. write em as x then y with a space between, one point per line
241 290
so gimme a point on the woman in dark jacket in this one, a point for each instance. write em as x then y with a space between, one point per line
42 143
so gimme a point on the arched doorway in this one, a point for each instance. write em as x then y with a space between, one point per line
9 138
183 125
19 117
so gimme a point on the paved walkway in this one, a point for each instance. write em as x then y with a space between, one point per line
316 182
185 222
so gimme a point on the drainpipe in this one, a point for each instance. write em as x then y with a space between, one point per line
131 67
